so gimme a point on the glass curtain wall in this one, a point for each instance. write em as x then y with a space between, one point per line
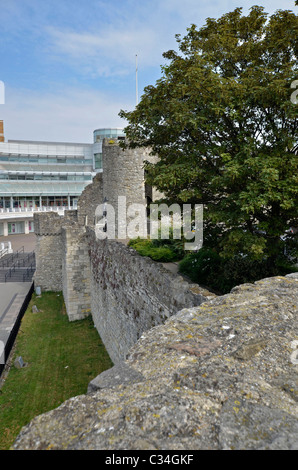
33 202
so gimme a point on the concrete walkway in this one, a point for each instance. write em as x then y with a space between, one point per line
12 297
21 240
13 294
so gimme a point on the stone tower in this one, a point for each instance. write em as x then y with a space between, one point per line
123 176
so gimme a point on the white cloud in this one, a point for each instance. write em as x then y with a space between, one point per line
110 52
69 115
103 46
193 11
144 28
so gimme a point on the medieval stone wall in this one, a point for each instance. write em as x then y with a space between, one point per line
126 293
76 279
49 248
90 198
192 370
220 376
123 175
131 294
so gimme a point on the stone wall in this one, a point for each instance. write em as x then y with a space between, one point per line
49 248
131 293
220 376
62 261
76 279
90 198
192 370
126 293
123 175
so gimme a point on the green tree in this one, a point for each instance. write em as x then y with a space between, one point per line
223 124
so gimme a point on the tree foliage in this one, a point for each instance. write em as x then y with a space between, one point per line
225 129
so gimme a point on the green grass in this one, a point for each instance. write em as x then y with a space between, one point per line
62 356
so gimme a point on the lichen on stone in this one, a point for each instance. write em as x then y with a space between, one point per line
215 376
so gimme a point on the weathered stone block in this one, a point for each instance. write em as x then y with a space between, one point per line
194 399
120 374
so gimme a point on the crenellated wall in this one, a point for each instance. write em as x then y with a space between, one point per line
192 370
126 293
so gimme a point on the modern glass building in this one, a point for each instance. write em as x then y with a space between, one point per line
98 136
36 174
45 175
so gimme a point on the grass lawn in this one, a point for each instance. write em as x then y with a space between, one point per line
62 356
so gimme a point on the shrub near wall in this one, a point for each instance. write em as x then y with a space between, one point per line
207 268
157 253
164 250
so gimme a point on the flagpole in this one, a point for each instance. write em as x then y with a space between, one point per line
136 80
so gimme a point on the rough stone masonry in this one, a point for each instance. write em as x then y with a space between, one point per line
221 375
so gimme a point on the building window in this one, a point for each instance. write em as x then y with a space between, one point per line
16 227
98 161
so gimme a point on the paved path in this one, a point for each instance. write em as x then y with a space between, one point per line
12 297
21 240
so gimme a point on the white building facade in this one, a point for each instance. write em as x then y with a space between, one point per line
43 176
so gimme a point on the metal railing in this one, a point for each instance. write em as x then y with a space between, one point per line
9 273
28 272
36 209
11 258
23 261
21 266
3 252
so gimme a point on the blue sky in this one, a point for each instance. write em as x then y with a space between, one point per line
69 66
